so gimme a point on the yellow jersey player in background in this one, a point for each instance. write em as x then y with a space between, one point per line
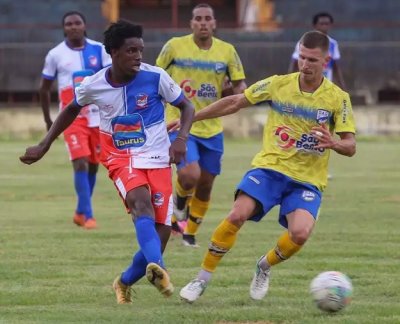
291 168
200 64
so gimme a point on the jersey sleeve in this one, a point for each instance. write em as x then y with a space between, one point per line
336 52
105 57
83 94
169 89
295 55
344 118
49 71
235 66
260 91
166 56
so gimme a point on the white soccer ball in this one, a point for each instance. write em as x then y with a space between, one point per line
331 291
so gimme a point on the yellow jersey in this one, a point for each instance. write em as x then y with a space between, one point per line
200 73
288 145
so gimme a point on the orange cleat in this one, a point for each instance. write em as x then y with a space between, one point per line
79 219
90 224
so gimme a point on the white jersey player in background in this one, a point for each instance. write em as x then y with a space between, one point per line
69 63
323 22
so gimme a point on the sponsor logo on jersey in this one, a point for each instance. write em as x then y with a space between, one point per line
93 60
308 195
322 116
285 139
128 131
141 100
344 111
261 86
158 199
78 80
307 143
128 128
187 88
207 90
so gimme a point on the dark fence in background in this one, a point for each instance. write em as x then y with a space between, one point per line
367 66
368 32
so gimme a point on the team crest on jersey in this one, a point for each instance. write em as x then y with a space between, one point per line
187 88
158 199
285 139
220 67
93 61
141 100
322 116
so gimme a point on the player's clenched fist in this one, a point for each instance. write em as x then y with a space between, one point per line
33 154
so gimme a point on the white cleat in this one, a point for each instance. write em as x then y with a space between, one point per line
260 283
193 290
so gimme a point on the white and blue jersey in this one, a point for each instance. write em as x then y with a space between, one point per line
70 66
132 122
334 53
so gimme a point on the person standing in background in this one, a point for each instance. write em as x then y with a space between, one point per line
204 66
75 58
323 23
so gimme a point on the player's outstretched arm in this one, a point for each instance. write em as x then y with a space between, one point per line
64 119
177 150
222 107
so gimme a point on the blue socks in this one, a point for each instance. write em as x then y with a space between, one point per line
136 270
148 239
82 188
92 182
150 250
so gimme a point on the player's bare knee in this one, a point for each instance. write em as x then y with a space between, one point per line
299 235
80 165
236 218
188 182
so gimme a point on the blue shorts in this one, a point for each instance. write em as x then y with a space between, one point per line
205 151
270 188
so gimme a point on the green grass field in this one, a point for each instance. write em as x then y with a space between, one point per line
53 272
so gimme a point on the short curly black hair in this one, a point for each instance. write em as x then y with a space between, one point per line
320 15
116 33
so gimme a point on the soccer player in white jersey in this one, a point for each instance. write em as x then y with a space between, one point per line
69 62
135 146
323 22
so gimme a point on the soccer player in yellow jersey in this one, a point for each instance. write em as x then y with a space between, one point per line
291 168
200 63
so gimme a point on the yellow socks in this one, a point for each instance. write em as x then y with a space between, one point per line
222 240
198 209
182 195
284 249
